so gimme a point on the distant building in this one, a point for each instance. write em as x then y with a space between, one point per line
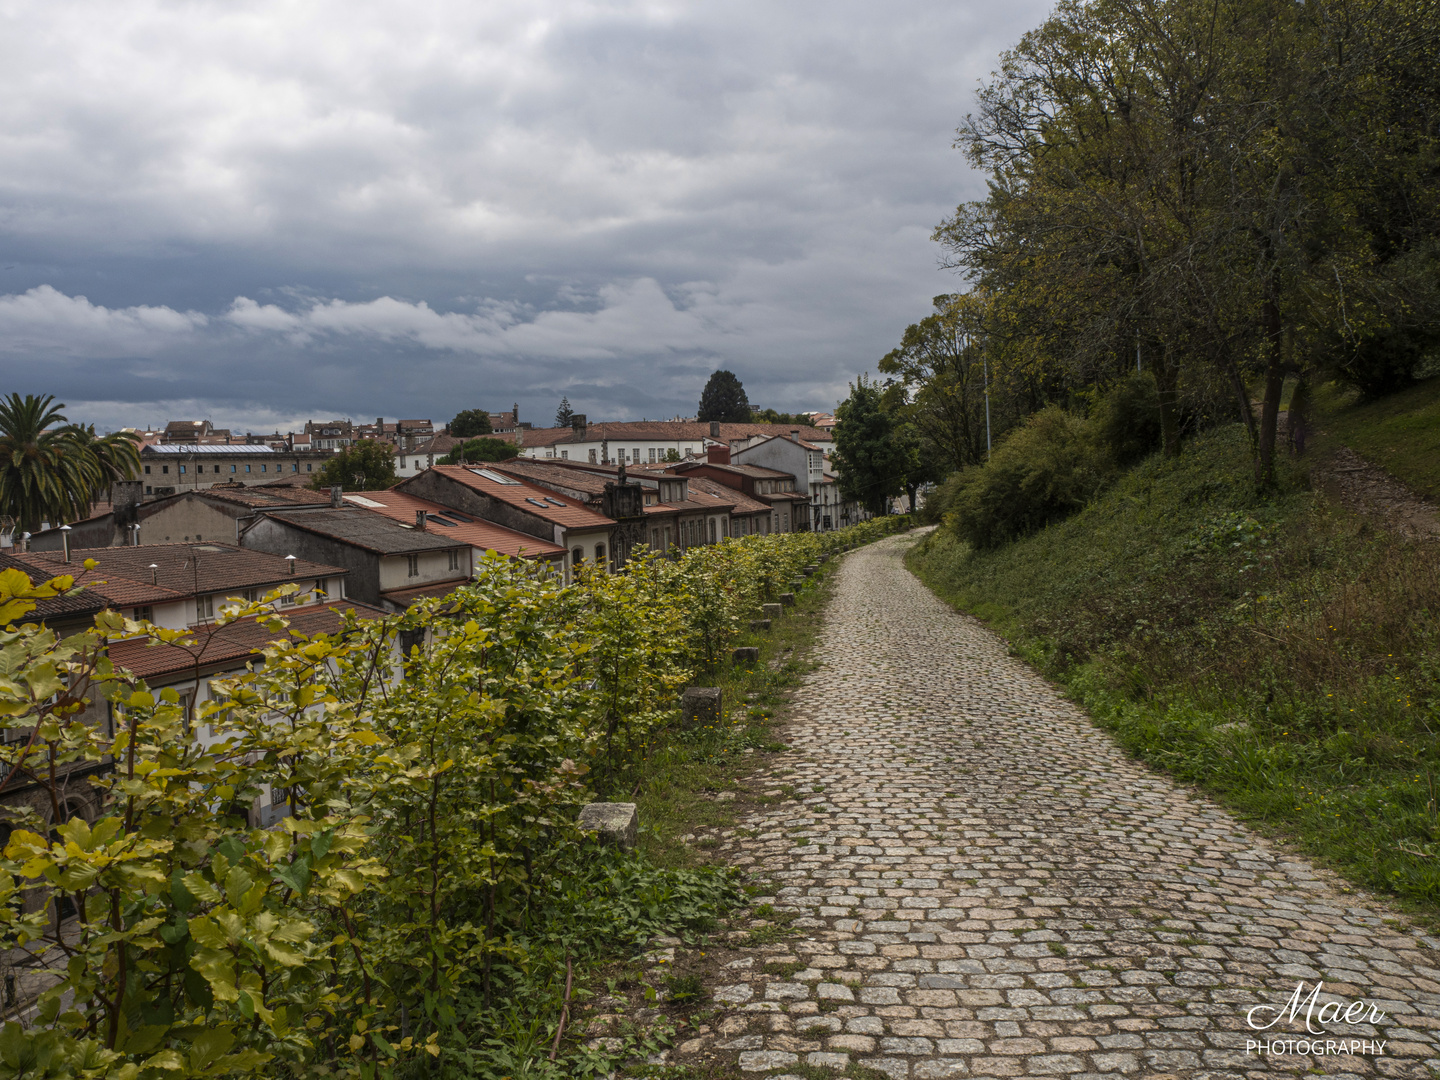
171 468
647 442
326 435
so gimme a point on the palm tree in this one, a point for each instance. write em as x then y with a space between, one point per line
51 471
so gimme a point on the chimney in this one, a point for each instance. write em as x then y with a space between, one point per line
795 433
337 495
714 429
718 455
420 520
380 426
290 562
577 423
65 541
154 574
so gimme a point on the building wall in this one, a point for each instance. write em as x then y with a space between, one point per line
279 538
185 520
159 471
432 566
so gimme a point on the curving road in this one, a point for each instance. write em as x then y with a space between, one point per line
988 887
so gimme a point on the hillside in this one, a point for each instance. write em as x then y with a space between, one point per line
1400 433
1278 651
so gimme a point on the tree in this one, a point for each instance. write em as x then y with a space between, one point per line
724 399
873 463
51 471
367 465
481 450
770 416
564 414
469 423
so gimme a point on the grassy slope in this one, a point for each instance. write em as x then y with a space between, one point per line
1401 433
1275 651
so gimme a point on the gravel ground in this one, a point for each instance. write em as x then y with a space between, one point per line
983 884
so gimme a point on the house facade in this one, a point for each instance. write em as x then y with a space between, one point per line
171 469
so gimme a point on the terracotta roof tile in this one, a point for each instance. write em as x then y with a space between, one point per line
534 500
124 578
476 532
230 644
362 528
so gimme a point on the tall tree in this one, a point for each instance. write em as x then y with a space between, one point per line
51 471
724 399
367 465
564 414
872 462
469 423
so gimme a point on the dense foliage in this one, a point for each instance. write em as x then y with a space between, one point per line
470 422
427 878
723 399
1219 191
51 470
366 465
481 450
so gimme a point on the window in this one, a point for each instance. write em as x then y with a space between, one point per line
652 457
290 600
599 554
148 490
264 468
247 468
147 470
413 565
307 467
165 469
654 538
712 530
232 468
454 560
725 526
636 455
182 470
294 467
577 557
143 614
565 455
204 608
592 457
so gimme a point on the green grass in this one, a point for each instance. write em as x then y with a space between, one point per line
1401 432
1273 650
687 769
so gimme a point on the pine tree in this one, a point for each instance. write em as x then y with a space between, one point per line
564 414
724 399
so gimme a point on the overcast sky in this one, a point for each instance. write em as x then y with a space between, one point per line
262 212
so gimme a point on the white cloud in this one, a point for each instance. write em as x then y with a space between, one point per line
625 184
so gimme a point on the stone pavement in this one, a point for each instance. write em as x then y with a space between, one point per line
984 885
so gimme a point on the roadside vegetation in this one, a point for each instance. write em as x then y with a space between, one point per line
1263 644
427 905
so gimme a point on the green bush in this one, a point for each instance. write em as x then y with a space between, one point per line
1044 471
1125 423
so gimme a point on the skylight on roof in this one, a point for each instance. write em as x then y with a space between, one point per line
497 477
360 500
459 517
539 502
557 502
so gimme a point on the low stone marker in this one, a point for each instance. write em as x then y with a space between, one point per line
759 624
614 822
809 571
746 654
787 599
700 705
771 611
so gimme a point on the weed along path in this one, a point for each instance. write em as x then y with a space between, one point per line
966 878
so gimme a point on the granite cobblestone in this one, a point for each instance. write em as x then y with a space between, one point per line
989 887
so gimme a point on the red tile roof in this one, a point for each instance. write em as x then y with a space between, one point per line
435 588
538 501
231 644
182 570
476 532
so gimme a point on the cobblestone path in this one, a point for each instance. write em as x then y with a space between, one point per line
986 886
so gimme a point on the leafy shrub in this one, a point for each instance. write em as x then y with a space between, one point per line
1125 423
1045 470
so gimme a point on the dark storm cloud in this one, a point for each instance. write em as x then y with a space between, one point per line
268 211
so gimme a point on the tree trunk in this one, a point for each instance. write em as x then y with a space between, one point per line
1274 386
1165 376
